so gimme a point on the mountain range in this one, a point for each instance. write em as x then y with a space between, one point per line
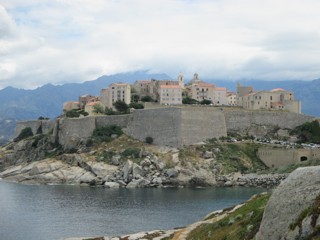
47 101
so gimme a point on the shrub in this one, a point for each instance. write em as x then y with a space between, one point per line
205 102
149 140
110 111
72 114
189 100
131 152
136 105
103 134
98 108
26 132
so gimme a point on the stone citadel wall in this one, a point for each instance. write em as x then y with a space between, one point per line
170 126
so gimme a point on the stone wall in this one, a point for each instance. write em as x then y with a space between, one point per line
253 122
46 126
278 157
201 124
163 125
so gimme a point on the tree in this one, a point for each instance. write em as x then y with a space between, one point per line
188 100
121 106
135 98
110 111
205 102
146 99
98 108
72 114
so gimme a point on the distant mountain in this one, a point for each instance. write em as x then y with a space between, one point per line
19 104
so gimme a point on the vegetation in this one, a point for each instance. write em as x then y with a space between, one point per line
136 105
314 212
135 98
243 223
104 134
308 132
75 113
149 140
25 133
205 102
43 118
146 99
131 152
98 108
110 111
188 100
121 106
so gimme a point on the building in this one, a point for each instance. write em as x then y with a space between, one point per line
84 99
67 106
170 94
89 108
276 99
200 90
152 87
231 99
115 92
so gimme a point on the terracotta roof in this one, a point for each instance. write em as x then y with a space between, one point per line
91 103
277 104
119 84
143 81
203 84
221 88
278 90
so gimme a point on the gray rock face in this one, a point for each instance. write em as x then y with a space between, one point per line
293 195
127 171
171 173
111 185
140 183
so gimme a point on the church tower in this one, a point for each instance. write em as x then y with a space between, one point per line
181 80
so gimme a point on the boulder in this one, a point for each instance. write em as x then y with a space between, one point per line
138 183
127 170
111 185
115 160
171 173
295 194
137 171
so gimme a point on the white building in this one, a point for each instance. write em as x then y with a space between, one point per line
207 91
231 99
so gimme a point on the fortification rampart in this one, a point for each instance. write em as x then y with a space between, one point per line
170 126
278 157
36 125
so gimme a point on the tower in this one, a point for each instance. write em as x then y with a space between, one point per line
181 80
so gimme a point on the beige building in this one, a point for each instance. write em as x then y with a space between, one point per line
276 99
89 108
87 98
67 106
115 92
152 87
207 91
170 94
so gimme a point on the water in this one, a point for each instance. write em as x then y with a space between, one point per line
55 212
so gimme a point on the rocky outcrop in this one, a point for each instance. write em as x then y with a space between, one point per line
288 213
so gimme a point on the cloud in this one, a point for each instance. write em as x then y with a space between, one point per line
60 41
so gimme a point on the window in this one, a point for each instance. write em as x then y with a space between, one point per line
270 97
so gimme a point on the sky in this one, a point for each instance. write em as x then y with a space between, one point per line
60 41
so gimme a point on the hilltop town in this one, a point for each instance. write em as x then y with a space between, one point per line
160 93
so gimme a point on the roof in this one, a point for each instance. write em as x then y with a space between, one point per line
277 104
143 81
92 103
278 90
203 84
221 88
119 84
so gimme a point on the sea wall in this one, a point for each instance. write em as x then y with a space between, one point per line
278 157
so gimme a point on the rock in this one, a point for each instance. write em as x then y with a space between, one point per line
157 180
171 173
127 170
138 183
288 200
207 155
121 183
175 158
137 171
228 184
115 160
111 185
145 162
88 178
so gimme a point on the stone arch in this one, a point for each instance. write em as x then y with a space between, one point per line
303 158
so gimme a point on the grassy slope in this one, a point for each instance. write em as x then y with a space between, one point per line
243 223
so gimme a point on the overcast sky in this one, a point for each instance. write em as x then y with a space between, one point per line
58 41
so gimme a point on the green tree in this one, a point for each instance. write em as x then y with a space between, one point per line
98 108
74 113
110 111
205 102
135 98
188 100
146 99
121 106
